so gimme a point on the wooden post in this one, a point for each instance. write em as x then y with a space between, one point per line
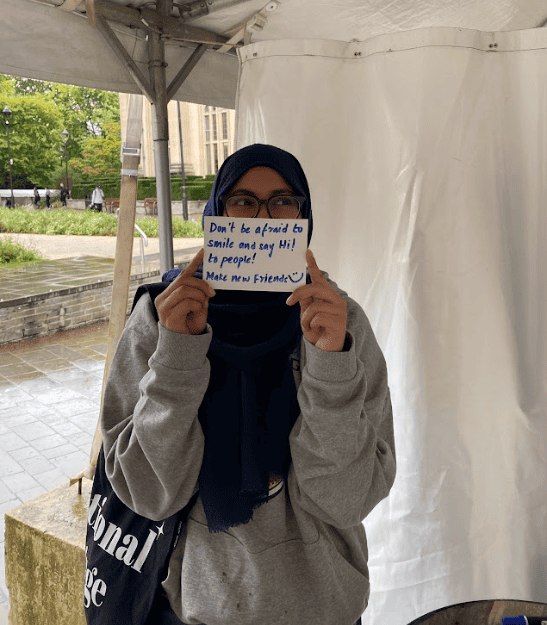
124 253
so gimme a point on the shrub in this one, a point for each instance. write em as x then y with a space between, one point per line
147 187
12 254
90 223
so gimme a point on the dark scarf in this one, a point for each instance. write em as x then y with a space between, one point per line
250 405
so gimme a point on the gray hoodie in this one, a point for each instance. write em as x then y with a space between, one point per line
302 559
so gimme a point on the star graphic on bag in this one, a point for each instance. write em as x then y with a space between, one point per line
160 528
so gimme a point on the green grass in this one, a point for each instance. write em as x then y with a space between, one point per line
13 254
89 223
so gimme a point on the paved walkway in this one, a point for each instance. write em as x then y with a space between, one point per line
50 391
50 387
78 260
57 246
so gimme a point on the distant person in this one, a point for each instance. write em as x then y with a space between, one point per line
97 198
48 198
63 194
36 197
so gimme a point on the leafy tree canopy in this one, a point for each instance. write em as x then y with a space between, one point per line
86 112
35 137
41 110
100 155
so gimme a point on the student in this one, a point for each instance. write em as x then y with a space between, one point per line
63 195
275 409
97 198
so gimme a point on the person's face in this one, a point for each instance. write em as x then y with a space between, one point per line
262 182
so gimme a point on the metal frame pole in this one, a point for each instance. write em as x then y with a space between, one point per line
10 166
160 133
66 167
182 172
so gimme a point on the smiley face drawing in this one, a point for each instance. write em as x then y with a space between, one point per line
298 279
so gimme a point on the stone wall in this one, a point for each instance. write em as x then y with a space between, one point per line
48 313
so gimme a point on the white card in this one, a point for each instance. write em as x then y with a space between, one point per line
255 254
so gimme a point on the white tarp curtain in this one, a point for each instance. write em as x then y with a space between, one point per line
426 153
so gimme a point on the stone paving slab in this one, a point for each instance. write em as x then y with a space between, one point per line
88 260
50 390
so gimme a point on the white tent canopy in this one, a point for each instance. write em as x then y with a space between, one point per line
421 126
44 39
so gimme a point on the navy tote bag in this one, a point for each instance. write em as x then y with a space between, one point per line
127 556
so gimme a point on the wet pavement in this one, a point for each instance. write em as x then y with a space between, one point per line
78 270
50 389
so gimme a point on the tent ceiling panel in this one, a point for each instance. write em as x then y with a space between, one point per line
63 47
53 40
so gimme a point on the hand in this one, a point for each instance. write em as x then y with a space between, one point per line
182 307
323 310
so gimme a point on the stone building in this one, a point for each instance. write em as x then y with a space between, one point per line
208 134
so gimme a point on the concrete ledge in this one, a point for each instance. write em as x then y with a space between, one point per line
45 557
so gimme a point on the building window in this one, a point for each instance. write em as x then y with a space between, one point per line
208 151
215 152
207 129
217 130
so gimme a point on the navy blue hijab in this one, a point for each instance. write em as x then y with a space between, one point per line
260 155
250 405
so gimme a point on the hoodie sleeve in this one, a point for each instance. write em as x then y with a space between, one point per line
342 446
152 438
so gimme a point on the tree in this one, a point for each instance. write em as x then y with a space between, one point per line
41 111
35 136
101 155
85 112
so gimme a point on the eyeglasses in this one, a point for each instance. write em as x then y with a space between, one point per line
278 206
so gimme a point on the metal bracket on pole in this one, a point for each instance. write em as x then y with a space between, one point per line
199 8
130 152
162 23
242 31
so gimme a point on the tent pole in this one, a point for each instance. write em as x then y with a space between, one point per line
160 134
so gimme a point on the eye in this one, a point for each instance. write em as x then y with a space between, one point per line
284 201
241 201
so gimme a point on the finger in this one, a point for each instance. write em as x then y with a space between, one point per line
194 264
322 307
314 291
187 306
188 272
315 272
183 293
186 277
179 286
181 313
331 323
